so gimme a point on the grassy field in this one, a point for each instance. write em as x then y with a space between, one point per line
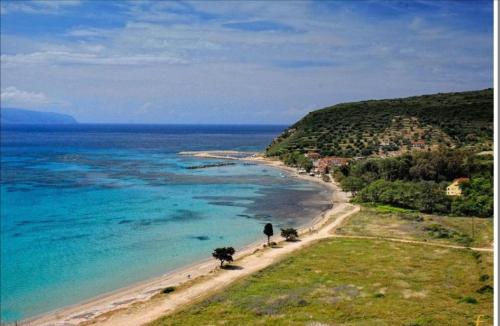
387 221
356 282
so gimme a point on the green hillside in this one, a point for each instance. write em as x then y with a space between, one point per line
393 126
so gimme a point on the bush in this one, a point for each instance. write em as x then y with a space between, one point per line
411 217
289 234
476 200
438 231
477 255
168 289
485 289
484 277
425 196
468 299
464 239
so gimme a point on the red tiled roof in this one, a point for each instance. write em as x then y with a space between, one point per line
313 155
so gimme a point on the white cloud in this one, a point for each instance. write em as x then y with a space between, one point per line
174 66
13 97
46 7
89 58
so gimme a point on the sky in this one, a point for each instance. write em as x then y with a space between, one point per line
240 62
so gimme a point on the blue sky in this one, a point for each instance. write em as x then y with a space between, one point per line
236 61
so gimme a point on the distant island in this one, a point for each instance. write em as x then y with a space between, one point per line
9 116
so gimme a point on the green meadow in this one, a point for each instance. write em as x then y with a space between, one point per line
345 281
394 222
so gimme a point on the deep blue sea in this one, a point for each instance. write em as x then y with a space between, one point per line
86 209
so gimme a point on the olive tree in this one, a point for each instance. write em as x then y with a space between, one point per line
289 234
223 254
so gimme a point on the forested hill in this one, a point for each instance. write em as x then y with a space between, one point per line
392 126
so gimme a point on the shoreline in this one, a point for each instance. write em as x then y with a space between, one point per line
111 303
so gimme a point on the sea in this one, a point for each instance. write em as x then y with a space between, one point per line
91 208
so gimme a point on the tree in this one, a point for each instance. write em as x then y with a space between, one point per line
223 254
352 184
477 198
268 230
289 234
304 163
297 159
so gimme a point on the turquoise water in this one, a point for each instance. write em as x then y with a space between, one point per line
89 209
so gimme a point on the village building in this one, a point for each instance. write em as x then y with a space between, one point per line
454 188
313 155
385 143
340 161
326 163
418 144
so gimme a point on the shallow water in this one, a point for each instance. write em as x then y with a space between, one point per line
91 208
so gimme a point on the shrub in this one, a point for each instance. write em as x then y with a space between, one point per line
484 277
168 289
485 289
464 239
468 299
438 231
477 255
411 217
289 234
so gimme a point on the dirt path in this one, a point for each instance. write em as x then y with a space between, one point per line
427 243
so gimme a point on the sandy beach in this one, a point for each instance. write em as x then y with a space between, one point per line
143 302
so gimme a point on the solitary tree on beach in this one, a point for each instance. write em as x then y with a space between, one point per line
289 234
223 254
268 230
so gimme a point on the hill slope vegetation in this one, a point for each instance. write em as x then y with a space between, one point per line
392 126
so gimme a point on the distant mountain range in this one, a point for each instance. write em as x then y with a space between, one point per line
393 126
22 116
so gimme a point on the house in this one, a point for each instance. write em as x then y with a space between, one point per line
385 143
313 155
326 163
340 161
418 144
454 188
